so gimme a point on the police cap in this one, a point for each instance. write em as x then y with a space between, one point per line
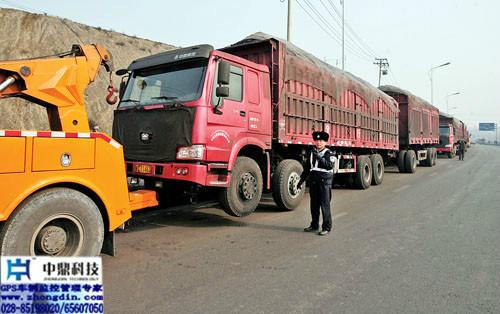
320 135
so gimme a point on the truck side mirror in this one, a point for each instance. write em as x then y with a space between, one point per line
121 72
222 91
223 73
121 91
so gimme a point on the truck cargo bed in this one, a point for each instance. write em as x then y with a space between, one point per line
418 120
310 95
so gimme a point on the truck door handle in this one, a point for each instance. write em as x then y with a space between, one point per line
243 113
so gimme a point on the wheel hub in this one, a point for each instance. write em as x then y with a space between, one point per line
366 171
51 239
293 180
61 235
248 186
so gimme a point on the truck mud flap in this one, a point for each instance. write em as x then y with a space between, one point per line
108 245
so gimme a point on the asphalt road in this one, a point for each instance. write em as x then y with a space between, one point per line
420 243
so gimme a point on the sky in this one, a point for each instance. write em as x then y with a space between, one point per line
414 36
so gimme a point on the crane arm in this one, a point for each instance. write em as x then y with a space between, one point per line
58 83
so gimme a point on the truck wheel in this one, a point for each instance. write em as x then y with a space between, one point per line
54 222
363 173
434 156
285 178
245 190
429 158
377 169
401 160
410 161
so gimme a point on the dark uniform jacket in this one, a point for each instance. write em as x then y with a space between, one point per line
461 145
319 166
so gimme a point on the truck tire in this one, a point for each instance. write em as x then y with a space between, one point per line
54 222
434 156
410 161
363 173
401 161
377 169
243 195
285 178
430 156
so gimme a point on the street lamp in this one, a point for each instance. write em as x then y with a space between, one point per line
430 74
448 96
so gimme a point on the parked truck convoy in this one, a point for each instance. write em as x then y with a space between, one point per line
240 119
63 191
452 131
418 130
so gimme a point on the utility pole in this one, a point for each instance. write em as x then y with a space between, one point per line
383 65
343 23
288 23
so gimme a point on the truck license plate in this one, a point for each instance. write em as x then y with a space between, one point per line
144 169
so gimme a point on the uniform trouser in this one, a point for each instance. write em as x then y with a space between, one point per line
320 193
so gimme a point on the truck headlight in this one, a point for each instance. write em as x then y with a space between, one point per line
191 152
448 145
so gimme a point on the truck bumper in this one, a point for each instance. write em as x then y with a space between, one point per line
211 174
444 150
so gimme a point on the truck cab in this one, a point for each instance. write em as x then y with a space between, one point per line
190 117
446 140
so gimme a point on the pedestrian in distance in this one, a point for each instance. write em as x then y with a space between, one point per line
461 150
318 172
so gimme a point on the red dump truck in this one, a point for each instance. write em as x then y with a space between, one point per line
451 130
418 130
240 120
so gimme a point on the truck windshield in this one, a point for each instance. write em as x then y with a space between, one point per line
444 131
164 84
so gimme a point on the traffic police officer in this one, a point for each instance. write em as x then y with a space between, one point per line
318 169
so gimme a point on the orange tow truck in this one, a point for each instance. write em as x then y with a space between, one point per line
63 192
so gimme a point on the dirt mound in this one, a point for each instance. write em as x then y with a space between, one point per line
28 35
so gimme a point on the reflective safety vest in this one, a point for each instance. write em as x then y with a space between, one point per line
314 166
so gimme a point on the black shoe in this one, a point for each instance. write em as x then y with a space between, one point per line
310 229
323 232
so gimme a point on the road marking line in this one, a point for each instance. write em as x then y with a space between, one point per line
339 215
404 187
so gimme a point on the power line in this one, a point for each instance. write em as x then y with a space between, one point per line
329 30
350 29
333 30
359 45
393 77
321 18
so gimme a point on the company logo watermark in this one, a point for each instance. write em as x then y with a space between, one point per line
18 269
51 285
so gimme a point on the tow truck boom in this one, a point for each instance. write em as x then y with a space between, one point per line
57 83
